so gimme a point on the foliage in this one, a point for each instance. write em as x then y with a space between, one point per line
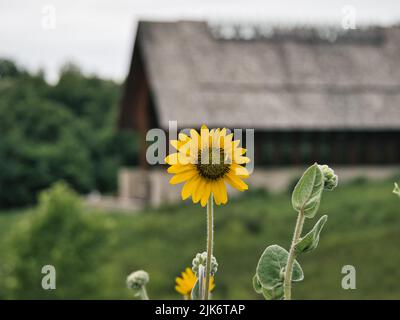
66 131
396 189
270 272
310 241
59 234
278 268
307 193
359 227
34 156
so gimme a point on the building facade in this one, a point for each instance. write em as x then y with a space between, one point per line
310 93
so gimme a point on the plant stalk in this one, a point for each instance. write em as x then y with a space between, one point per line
287 286
210 240
143 294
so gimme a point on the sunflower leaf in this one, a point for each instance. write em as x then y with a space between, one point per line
307 193
257 285
271 267
310 241
276 293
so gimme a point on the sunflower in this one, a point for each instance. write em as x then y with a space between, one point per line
205 161
185 284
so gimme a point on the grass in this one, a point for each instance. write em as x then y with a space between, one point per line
363 230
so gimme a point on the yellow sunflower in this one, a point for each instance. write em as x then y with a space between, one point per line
185 284
205 161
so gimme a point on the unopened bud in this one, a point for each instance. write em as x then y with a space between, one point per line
330 178
137 280
201 259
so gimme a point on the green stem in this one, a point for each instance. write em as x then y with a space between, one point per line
210 236
143 294
287 286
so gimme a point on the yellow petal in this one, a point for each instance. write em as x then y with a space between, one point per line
223 192
185 276
178 168
189 272
179 280
180 290
206 194
177 158
216 192
225 141
172 158
195 142
215 139
195 187
182 176
198 192
183 137
188 187
223 132
241 160
212 284
236 182
205 139
192 149
239 171
176 144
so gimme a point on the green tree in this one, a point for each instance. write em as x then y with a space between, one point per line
60 234
41 143
66 131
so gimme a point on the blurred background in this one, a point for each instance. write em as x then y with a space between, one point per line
81 83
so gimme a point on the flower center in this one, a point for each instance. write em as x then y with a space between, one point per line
211 163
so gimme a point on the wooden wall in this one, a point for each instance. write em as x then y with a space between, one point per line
332 147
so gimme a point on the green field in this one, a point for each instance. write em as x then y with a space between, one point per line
363 230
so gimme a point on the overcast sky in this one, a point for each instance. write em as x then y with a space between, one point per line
98 34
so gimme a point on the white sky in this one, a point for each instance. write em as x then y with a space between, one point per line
98 34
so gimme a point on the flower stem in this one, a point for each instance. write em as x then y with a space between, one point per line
210 236
289 266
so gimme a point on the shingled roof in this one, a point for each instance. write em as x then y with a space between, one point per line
286 81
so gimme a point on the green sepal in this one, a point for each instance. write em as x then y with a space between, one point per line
307 193
310 241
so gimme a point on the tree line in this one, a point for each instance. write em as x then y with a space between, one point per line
65 131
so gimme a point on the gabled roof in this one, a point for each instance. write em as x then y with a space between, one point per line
284 81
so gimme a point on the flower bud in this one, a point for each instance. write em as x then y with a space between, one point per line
330 178
137 280
201 259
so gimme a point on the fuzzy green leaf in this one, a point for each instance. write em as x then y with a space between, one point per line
307 193
271 267
396 189
310 241
257 285
276 293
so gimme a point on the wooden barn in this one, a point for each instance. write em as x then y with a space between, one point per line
311 94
